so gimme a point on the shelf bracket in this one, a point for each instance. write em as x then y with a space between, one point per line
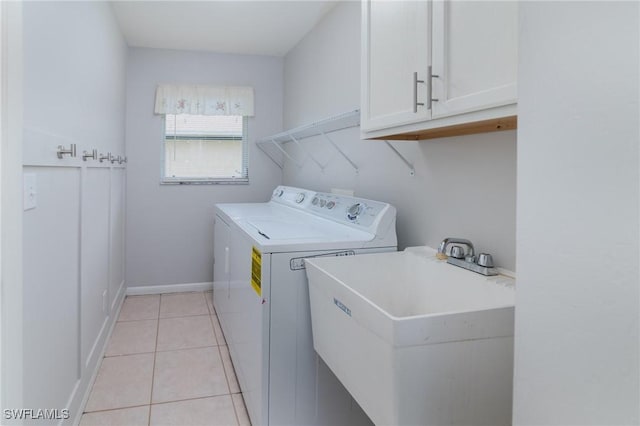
306 152
354 165
412 171
286 154
270 157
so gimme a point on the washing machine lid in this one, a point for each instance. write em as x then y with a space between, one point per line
278 229
296 219
234 211
300 231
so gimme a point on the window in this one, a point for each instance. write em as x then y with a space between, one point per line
205 149
205 137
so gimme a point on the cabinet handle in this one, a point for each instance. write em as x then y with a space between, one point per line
226 260
415 92
430 77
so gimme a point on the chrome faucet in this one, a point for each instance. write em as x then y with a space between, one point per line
442 249
484 264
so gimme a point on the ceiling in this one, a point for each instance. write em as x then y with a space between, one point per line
232 26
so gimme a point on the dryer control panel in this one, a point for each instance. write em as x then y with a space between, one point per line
348 210
357 212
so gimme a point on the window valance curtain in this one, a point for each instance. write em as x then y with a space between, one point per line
204 100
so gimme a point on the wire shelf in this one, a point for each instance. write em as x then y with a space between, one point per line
317 128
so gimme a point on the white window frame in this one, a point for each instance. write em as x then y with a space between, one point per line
166 180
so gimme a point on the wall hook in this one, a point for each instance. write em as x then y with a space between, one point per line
62 151
93 155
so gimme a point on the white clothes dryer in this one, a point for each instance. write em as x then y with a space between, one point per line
261 297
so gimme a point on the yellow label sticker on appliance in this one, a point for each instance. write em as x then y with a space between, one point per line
256 270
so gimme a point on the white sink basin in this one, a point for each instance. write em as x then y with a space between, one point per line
415 341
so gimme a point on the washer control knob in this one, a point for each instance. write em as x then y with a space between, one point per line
278 193
354 211
323 203
331 204
300 197
315 201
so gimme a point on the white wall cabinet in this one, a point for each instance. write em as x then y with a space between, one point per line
475 55
437 64
395 54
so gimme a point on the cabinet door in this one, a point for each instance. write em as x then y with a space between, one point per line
475 55
395 45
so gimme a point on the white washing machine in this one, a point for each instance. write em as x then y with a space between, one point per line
261 296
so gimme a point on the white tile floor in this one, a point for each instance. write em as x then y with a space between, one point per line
167 363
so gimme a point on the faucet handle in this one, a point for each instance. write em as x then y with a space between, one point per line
486 260
457 252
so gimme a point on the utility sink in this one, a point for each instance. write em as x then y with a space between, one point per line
416 341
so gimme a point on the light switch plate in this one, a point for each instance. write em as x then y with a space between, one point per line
30 191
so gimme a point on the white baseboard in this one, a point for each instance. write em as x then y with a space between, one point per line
168 288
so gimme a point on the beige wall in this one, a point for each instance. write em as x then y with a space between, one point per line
463 186
577 336
170 227
73 245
